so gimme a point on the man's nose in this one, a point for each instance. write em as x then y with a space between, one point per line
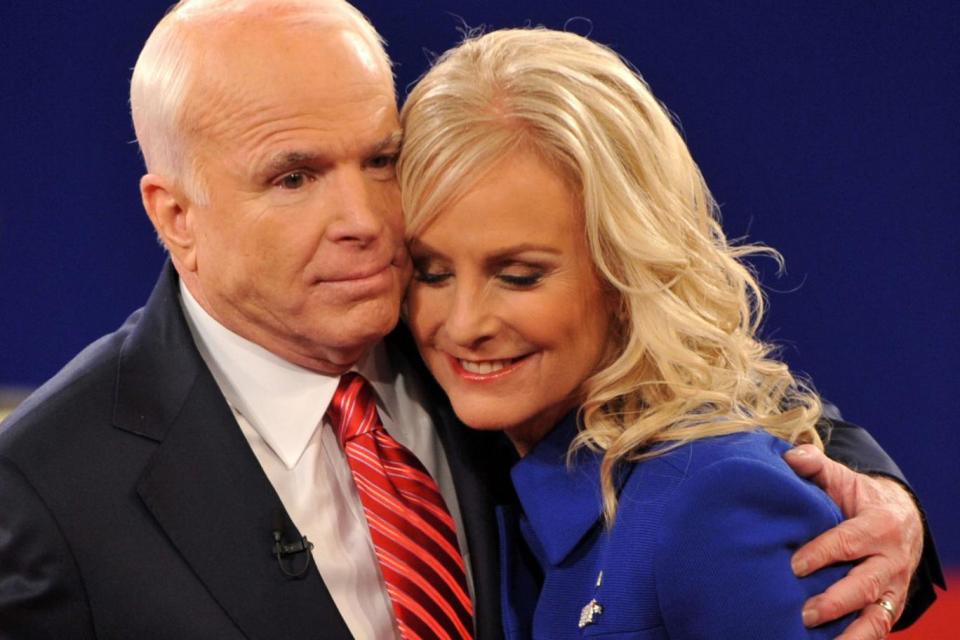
357 210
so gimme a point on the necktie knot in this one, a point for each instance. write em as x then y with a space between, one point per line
353 409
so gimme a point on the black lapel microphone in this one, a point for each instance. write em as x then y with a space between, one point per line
282 549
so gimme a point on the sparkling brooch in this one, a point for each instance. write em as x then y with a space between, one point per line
589 613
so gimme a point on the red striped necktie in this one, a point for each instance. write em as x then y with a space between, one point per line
413 533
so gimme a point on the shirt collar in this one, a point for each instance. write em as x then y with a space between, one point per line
561 503
282 401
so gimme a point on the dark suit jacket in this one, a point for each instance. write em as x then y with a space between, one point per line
131 505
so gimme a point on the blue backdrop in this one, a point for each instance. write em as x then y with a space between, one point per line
829 130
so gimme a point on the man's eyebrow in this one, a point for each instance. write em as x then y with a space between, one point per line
287 160
391 141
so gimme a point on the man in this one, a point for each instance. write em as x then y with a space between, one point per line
158 486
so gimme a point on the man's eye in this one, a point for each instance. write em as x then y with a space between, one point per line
292 181
383 161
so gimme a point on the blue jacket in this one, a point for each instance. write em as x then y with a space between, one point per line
700 547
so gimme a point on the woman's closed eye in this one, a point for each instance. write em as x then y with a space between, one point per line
521 279
430 273
511 273
520 273
427 277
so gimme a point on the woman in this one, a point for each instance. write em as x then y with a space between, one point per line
574 289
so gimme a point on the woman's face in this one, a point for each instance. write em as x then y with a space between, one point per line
505 305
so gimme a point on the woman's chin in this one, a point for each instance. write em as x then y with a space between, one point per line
480 422
523 431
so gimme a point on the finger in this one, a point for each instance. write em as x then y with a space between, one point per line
871 625
806 461
836 480
874 623
858 590
846 542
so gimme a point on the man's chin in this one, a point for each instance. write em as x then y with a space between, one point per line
356 332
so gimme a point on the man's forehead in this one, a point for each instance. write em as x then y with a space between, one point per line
224 12
286 125
257 65
258 82
245 48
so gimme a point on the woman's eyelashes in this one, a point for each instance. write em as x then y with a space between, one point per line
429 270
521 280
518 273
514 275
431 277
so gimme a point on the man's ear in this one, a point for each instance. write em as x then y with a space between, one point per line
170 212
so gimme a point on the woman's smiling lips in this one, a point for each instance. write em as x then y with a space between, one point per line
486 370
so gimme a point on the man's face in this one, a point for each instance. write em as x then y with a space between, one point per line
299 247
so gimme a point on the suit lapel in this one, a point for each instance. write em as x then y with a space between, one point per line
205 487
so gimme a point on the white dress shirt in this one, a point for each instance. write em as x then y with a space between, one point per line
280 408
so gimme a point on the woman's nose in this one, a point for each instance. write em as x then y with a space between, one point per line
472 319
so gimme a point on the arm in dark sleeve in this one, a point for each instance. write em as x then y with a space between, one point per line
41 594
854 447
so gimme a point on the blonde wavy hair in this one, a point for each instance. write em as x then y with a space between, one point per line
684 358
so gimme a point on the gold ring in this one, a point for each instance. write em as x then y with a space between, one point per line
887 606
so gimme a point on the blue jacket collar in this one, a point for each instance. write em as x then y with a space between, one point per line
562 503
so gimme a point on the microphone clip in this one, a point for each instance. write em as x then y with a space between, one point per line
283 549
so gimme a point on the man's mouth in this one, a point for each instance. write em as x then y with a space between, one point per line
358 275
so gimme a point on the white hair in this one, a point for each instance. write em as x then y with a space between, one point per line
168 67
